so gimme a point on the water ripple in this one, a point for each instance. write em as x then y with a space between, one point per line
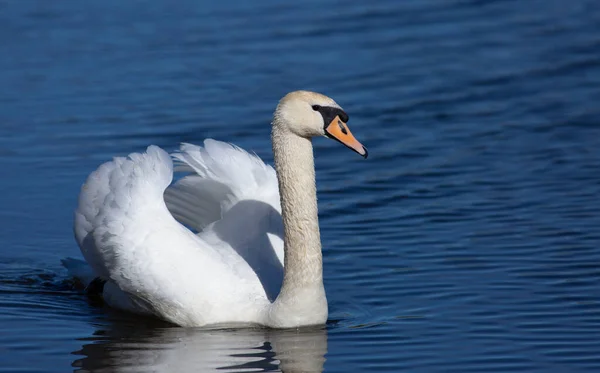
467 242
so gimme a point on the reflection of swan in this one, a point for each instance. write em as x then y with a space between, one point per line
199 350
232 270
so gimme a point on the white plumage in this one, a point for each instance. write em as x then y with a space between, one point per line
128 234
209 248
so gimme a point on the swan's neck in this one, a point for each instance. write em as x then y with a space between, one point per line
302 294
302 241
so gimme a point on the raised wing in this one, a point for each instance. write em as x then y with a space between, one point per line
128 235
221 177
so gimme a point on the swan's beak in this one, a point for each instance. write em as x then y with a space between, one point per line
338 130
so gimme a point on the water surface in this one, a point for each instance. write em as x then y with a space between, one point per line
468 241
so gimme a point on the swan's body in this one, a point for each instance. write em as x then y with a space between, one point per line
251 223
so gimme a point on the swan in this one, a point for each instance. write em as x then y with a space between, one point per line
230 242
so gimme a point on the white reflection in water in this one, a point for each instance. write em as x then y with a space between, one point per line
201 350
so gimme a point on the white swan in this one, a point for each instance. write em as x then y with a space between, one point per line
131 227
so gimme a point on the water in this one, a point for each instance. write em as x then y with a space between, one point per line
468 241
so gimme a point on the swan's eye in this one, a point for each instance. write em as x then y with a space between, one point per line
316 107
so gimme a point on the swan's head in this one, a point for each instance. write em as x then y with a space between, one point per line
309 114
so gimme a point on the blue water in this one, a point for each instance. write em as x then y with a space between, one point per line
469 240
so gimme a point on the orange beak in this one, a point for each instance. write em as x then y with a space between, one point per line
338 130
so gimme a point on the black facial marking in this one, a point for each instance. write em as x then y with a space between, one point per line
328 113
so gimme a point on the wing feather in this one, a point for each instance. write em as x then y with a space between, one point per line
156 265
220 175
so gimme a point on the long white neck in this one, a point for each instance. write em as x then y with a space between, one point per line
301 300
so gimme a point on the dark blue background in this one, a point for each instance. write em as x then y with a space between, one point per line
468 241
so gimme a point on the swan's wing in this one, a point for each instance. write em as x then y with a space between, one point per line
223 180
113 197
129 237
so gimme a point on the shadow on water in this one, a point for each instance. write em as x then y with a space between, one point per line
176 349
